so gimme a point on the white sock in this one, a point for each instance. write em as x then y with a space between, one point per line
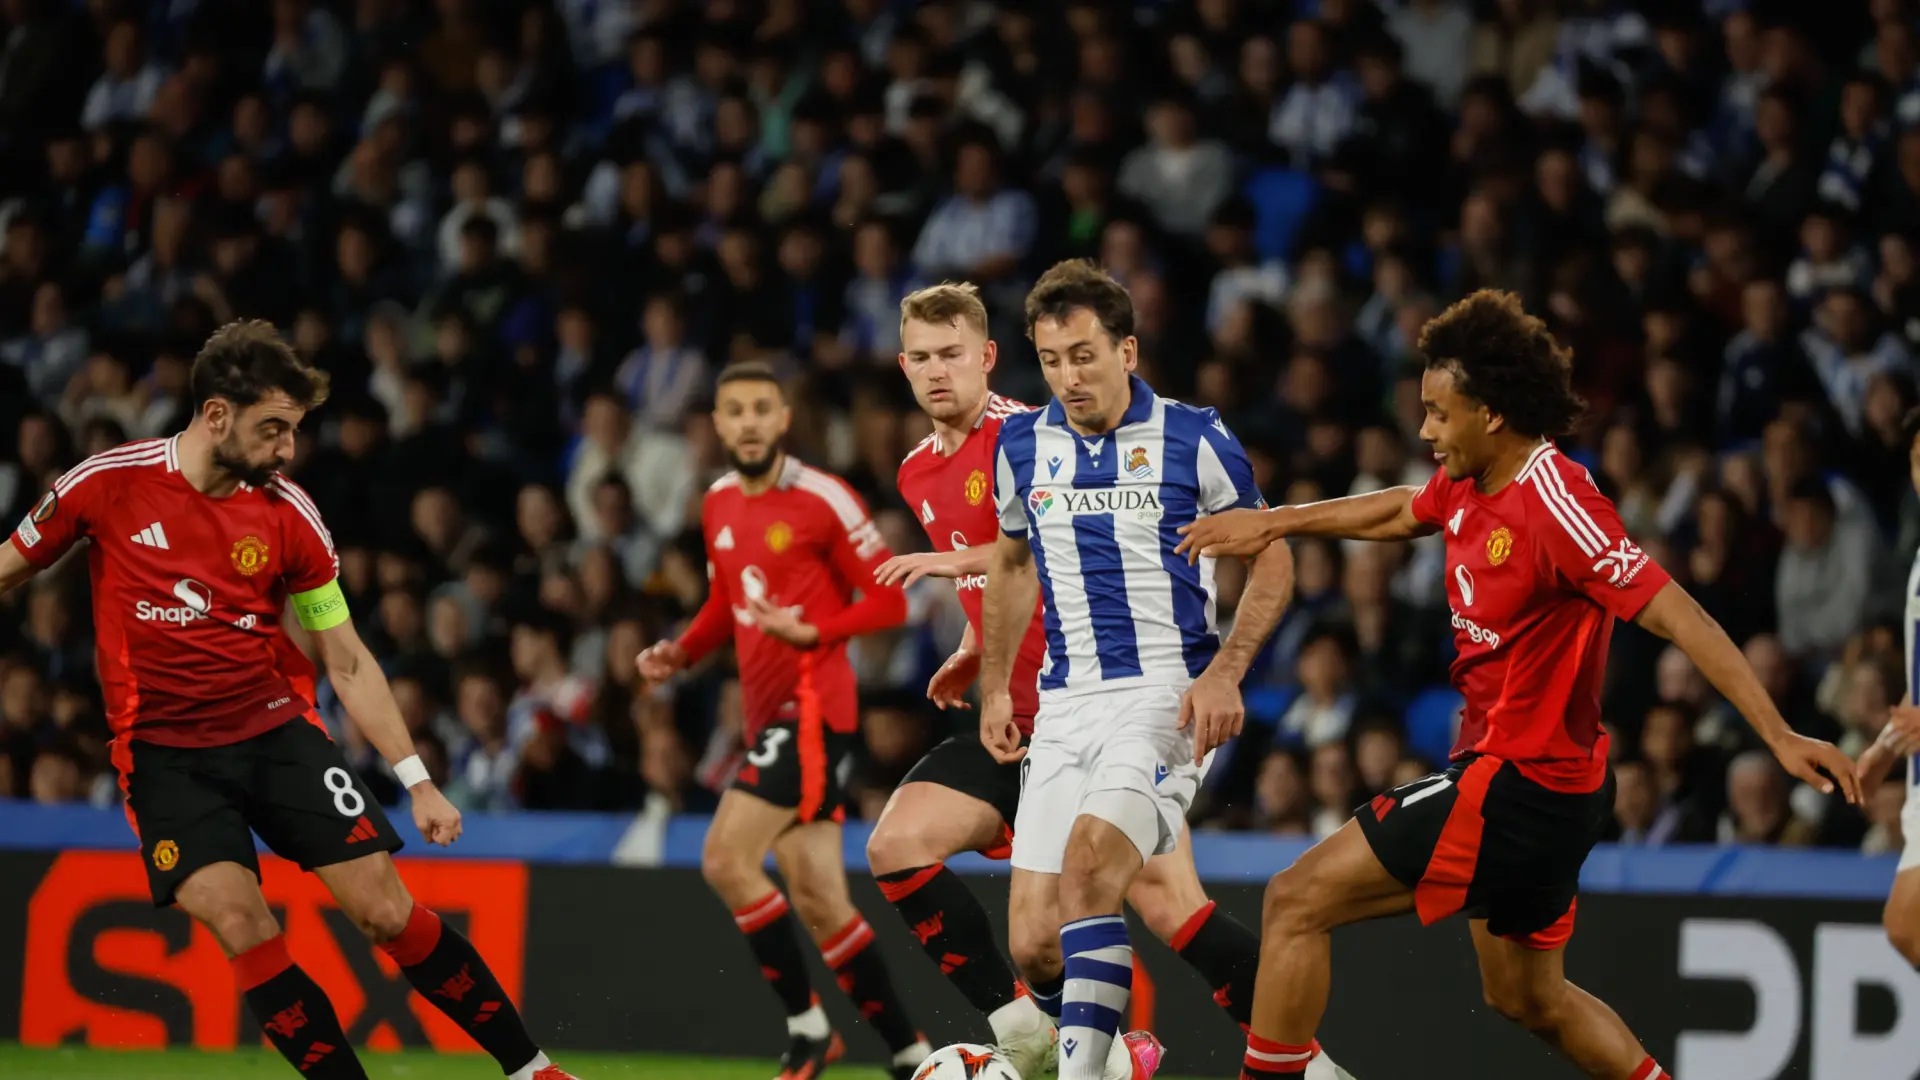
1323 1068
525 1072
1016 1018
811 1024
1099 965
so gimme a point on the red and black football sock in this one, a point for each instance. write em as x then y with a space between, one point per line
775 941
954 930
1269 1060
863 977
295 1013
446 969
1226 953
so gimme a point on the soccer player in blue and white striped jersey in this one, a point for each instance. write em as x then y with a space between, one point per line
1138 687
1900 740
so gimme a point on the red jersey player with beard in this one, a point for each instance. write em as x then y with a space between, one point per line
1538 568
787 547
959 798
197 548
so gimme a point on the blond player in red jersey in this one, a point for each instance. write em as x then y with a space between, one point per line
198 549
1538 567
959 798
788 547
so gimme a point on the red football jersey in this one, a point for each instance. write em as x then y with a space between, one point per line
805 543
1536 574
953 496
188 592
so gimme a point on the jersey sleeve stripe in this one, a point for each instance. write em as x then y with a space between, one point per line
835 495
298 499
1558 481
149 453
1551 501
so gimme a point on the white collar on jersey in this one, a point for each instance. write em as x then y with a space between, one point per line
1139 410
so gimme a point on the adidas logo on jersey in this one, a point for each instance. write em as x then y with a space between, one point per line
152 536
926 512
1453 523
724 542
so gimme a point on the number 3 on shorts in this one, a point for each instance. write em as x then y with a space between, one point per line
349 802
769 749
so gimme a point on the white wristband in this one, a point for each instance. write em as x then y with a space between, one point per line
410 771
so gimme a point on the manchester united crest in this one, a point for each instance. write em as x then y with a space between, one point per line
976 487
779 537
1499 546
166 855
249 555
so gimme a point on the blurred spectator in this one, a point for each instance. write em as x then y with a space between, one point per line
1757 808
522 238
1825 573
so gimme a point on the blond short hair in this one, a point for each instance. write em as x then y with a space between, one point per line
943 304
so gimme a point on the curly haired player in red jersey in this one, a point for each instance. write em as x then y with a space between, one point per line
787 547
958 798
1538 567
198 547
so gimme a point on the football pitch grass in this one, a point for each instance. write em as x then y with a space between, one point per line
20 1063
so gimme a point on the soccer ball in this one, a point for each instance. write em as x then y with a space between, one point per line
965 1061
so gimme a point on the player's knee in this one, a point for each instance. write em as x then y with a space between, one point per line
1291 904
1904 935
240 925
383 918
1535 1008
891 849
723 868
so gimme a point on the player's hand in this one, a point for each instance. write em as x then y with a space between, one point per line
436 818
1232 532
782 624
904 570
1903 730
948 686
1213 706
659 661
1805 758
998 733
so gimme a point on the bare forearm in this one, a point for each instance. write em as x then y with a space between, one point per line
969 641
1878 760
363 689
1677 617
1269 590
1380 515
1013 585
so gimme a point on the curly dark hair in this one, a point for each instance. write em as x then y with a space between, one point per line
1507 360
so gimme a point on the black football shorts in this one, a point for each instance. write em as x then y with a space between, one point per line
193 806
963 764
807 775
1484 839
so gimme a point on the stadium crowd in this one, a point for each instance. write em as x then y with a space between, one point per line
524 235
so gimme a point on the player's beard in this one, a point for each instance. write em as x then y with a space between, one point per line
235 464
754 470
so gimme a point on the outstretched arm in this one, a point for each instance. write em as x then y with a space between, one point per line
1677 617
14 568
1380 515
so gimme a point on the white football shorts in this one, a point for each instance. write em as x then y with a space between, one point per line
1910 826
1115 755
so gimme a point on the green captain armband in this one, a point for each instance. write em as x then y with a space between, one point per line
321 609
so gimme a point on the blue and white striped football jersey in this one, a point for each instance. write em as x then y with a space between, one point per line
1101 515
